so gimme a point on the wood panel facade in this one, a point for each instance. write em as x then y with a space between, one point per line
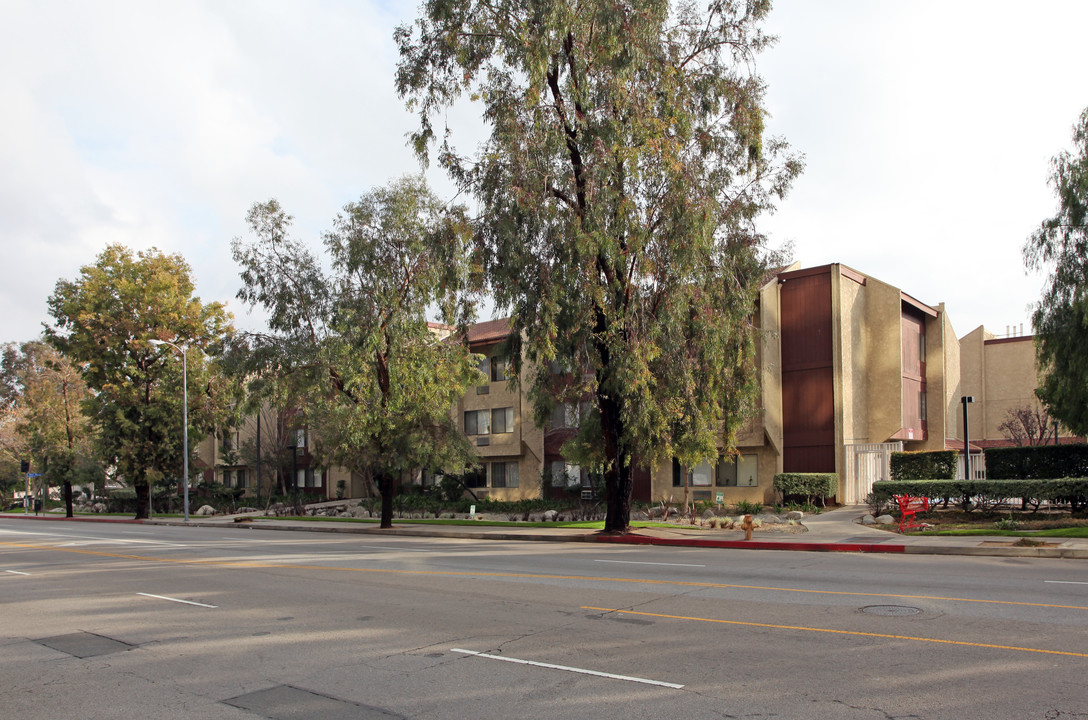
808 391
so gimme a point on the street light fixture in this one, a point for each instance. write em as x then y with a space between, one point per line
184 420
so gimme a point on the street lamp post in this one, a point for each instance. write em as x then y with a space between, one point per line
184 420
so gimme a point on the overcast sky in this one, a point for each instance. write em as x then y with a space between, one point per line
927 129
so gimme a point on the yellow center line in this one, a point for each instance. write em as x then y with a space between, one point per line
532 576
838 632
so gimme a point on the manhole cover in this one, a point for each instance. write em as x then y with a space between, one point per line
891 610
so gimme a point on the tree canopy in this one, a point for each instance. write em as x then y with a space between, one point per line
618 189
378 380
104 321
1060 245
46 394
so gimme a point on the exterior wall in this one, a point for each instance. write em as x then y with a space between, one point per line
972 381
944 381
808 371
524 445
770 363
766 459
1009 381
883 336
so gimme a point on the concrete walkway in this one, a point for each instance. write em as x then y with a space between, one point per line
833 531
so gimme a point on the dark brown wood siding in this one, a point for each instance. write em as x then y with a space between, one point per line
808 392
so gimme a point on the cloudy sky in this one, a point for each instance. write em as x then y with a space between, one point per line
927 129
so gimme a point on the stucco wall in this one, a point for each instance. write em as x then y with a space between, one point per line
972 381
884 374
1010 380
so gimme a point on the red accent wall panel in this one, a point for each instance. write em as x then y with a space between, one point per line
808 391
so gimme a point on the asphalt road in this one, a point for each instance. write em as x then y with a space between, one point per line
109 621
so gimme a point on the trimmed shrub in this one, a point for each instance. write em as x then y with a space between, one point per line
1038 462
927 465
987 494
807 485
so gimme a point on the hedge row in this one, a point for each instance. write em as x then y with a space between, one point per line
931 465
989 493
809 485
1039 462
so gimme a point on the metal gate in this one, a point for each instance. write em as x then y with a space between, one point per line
866 464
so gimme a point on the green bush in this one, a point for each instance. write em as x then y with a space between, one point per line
807 485
1039 462
988 493
928 465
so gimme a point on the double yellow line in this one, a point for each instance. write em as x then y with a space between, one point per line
632 581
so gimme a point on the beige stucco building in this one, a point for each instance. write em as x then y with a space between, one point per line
850 369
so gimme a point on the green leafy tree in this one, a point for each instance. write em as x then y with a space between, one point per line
104 321
618 190
47 393
379 381
1061 317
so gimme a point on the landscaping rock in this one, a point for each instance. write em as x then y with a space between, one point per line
795 515
885 520
205 510
550 515
868 520
707 514
99 507
246 510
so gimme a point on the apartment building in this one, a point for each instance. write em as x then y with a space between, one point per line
850 369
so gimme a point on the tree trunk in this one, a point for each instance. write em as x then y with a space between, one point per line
617 472
386 488
67 498
143 493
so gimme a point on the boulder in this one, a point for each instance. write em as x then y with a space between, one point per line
885 520
550 515
205 510
246 510
99 508
707 514
868 520
795 515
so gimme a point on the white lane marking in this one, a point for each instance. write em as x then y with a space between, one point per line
16 572
582 671
1065 582
636 562
187 602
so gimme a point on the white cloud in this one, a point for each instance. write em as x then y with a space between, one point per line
927 129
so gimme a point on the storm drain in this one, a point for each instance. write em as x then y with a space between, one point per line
285 702
84 644
891 610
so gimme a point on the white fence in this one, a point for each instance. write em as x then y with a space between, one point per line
865 464
978 467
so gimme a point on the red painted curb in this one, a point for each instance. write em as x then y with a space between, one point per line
753 544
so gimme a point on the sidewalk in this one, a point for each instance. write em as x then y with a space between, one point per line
832 531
